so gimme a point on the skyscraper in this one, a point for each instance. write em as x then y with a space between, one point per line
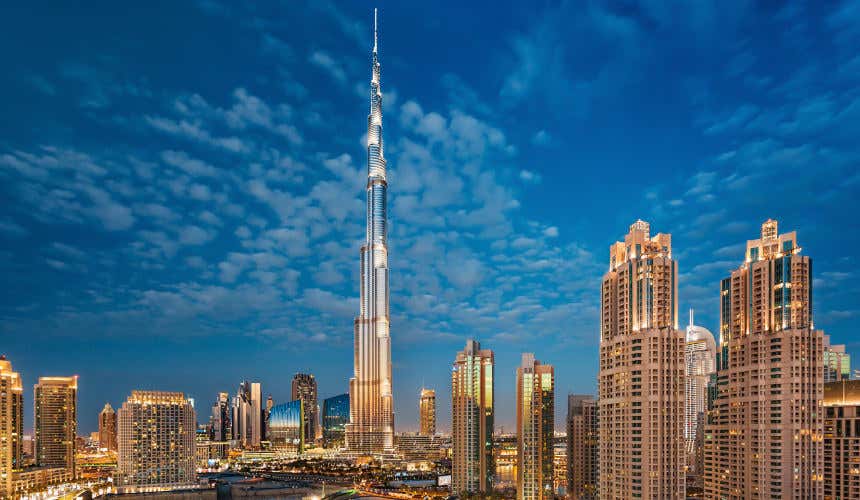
55 423
248 416
107 428
287 426
156 441
221 421
764 436
335 416
535 429
11 425
581 447
841 439
305 388
371 426
641 378
472 391
700 354
427 412
837 362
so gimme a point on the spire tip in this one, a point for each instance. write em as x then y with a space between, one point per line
374 29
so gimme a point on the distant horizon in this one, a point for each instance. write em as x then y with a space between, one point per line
185 207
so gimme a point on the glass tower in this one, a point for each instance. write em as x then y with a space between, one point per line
335 416
371 427
287 426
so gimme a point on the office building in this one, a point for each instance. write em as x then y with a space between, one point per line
418 447
287 426
11 425
582 440
700 355
473 466
427 412
55 423
156 441
335 416
641 378
842 440
248 417
764 435
222 427
304 387
371 422
837 362
535 429
107 428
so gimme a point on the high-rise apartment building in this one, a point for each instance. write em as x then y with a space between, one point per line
55 423
371 421
764 435
535 429
107 428
837 362
248 416
221 421
581 447
427 412
641 378
472 412
335 416
305 388
842 440
11 425
156 441
700 355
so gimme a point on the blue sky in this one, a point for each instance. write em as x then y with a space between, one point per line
182 183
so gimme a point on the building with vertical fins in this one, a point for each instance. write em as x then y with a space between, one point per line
55 422
287 426
11 426
371 422
700 354
107 428
304 387
156 442
764 435
581 447
535 429
473 466
427 412
641 377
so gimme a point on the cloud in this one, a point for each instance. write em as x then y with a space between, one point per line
541 138
530 177
326 62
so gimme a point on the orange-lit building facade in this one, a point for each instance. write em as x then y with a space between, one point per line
764 435
641 378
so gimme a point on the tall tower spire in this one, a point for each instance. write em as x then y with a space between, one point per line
371 420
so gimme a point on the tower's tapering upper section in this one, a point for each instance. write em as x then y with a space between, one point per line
375 151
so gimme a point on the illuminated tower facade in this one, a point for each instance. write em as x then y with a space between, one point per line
700 353
107 428
535 429
55 422
11 425
427 412
472 389
764 434
641 377
156 432
371 422
305 388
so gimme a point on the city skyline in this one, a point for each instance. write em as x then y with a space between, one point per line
184 229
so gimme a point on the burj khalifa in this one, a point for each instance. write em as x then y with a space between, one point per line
371 419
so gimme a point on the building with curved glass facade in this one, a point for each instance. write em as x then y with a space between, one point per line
335 416
287 426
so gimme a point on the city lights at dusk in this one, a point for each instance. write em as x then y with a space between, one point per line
599 249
